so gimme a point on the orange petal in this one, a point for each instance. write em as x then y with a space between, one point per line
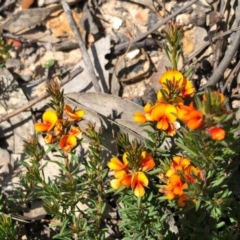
77 115
67 142
195 120
163 124
139 178
42 127
76 131
147 161
181 200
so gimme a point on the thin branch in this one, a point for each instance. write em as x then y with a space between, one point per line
86 58
40 98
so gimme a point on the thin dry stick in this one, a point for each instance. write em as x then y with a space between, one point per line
155 27
86 58
40 98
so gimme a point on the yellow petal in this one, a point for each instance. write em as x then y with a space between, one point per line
115 184
116 164
139 190
139 117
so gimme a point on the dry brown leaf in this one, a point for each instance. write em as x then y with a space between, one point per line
25 4
59 24
141 16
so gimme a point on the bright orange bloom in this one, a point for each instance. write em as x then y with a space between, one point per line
194 120
188 90
49 138
138 182
191 173
174 187
74 115
143 117
217 133
164 114
117 165
183 111
76 131
49 120
179 163
122 179
147 161
67 142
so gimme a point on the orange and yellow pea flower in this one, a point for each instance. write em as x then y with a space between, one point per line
49 118
138 182
74 115
67 143
178 163
146 116
217 133
129 177
190 116
76 131
165 115
147 161
179 81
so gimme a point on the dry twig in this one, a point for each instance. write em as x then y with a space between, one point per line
86 58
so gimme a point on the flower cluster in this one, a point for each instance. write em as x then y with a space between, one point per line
208 115
179 175
131 176
61 130
175 88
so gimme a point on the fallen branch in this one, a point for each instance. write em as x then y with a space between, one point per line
86 58
31 103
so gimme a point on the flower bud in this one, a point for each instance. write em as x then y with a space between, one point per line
217 133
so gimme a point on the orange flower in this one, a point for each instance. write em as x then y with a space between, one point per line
67 142
138 182
188 90
194 120
147 161
116 165
174 187
143 117
122 179
191 173
164 114
49 138
49 120
183 111
76 131
179 163
74 115
217 133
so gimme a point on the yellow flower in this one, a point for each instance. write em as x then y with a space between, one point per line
49 120
143 117
147 161
173 76
74 115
